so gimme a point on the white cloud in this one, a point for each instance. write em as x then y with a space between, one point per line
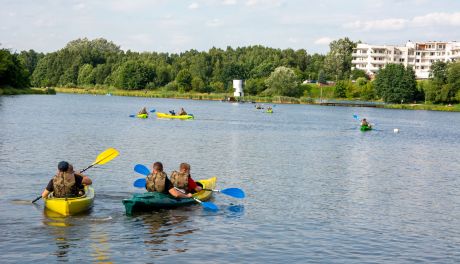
437 19
193 5
394 24
214 23
323 41
275 3
229 2
384 24
79 6
293 40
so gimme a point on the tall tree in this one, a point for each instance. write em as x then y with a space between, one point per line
283 81
337 64
396 84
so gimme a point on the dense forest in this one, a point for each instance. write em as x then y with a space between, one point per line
267 71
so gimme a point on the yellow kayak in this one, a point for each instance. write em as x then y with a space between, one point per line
164 115
71 206
142 115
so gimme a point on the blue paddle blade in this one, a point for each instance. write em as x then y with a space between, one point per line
209 206
140 183
152 111
234 192
141 169
132 115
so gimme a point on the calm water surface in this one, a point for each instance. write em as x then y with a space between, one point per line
318 189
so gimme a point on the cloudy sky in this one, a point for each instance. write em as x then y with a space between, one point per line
179 25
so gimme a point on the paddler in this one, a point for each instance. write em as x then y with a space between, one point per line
143 112
182 180
66 182
365 123
182 111
158 181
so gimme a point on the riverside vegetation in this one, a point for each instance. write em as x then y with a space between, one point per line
272 75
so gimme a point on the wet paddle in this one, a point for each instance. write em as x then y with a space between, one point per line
233 192
206 205
106 156
141 169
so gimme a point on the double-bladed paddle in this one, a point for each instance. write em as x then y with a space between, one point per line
140 183
106 156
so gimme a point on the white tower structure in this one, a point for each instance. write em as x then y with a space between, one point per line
238 86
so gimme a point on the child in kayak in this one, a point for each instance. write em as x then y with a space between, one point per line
183 181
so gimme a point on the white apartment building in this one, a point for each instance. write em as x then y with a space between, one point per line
418 55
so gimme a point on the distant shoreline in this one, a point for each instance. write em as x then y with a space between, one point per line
255 99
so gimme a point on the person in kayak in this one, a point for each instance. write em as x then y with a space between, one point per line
182 112
158 181
143 112
182 180
66 182
172 112
365 123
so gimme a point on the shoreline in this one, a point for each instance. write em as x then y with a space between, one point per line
248 99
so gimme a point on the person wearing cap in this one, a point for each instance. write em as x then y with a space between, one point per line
158 181
66 182
182 180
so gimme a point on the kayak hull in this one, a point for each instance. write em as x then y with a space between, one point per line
366 128
164 115
149 201
71 206
142 116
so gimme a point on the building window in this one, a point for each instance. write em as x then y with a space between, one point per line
401 60
417 60
418 53
423 67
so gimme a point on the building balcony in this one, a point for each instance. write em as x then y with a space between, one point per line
359 61
359 55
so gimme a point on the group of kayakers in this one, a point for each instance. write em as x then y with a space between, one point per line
180 185
68 183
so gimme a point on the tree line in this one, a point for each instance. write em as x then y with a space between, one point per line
266 71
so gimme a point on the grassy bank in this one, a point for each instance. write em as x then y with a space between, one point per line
430 107
15 91
177 95
257 99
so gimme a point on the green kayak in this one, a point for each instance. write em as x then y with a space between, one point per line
366 128
142 202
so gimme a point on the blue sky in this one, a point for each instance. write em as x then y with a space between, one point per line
179 25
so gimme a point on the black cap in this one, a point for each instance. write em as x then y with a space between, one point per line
63 166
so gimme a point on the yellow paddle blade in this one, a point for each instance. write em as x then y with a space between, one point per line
106 156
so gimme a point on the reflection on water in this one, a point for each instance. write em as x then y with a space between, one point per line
100 245
166 228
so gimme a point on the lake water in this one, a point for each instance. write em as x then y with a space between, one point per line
318 189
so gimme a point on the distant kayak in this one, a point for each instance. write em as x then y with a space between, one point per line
164 115
71 206
269 111
366 128
149 201
142 115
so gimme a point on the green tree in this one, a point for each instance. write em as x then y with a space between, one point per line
255 86
396 84
198 84
340 89
337 64
85 75
133 75
12 71
356 73
283 81
184 80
